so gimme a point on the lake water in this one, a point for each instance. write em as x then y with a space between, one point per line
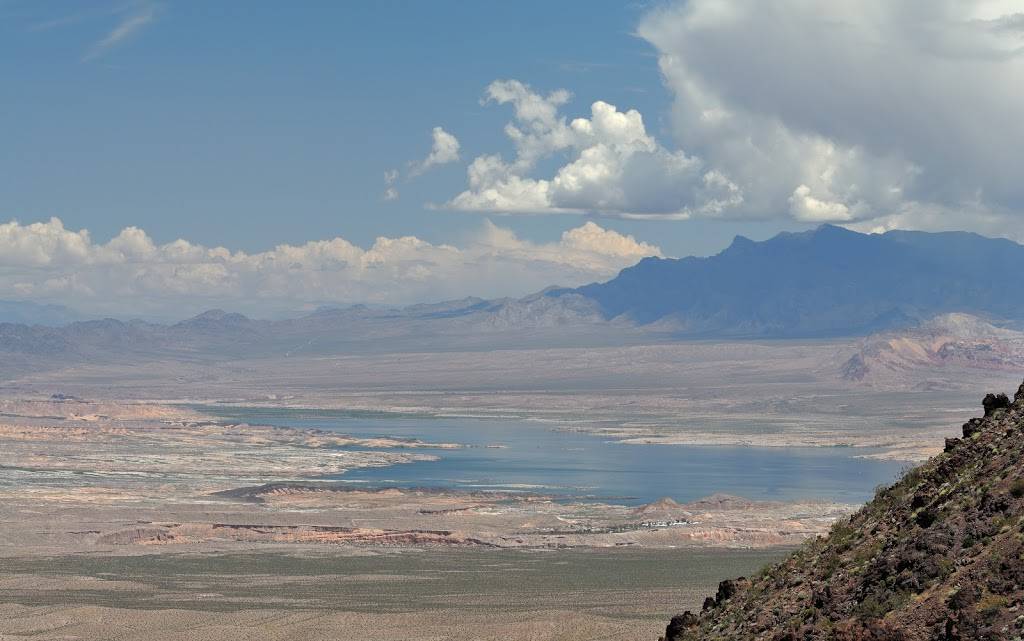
536 457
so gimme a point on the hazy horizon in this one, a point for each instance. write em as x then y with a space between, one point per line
285 160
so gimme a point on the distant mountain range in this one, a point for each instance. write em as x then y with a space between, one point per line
472 323
826 282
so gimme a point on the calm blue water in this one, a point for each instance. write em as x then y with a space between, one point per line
535 457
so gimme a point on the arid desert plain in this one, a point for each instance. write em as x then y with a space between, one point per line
382 495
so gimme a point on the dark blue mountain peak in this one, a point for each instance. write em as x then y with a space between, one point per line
739 244
825 281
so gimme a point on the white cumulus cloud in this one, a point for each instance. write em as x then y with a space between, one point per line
444 150
130 274
864 111
869 113
614 167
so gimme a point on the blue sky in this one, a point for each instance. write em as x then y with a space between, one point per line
249 124
588 135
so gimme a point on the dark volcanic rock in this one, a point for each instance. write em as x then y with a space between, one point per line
679 624
729 587
938 555
994 402
972 427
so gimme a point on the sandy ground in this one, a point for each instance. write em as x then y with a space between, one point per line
127 517
138 520
308 594
90 622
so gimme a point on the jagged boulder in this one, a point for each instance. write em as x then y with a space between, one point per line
728 588
972 427
993 402
679 624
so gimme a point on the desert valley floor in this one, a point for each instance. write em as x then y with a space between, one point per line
279 498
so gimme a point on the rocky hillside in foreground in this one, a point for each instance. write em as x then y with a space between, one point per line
939 555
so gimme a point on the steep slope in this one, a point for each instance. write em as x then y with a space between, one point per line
826 282
938 555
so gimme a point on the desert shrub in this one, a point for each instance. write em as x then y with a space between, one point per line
842 534
991 605
830 563
925 518
883 491
877 605
946 567
1017 488
867 552
909 478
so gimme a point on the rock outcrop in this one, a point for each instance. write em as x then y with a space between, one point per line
953 342
939 555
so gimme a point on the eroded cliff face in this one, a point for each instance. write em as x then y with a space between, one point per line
937 555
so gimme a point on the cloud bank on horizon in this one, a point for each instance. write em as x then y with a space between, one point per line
131 276
871 114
